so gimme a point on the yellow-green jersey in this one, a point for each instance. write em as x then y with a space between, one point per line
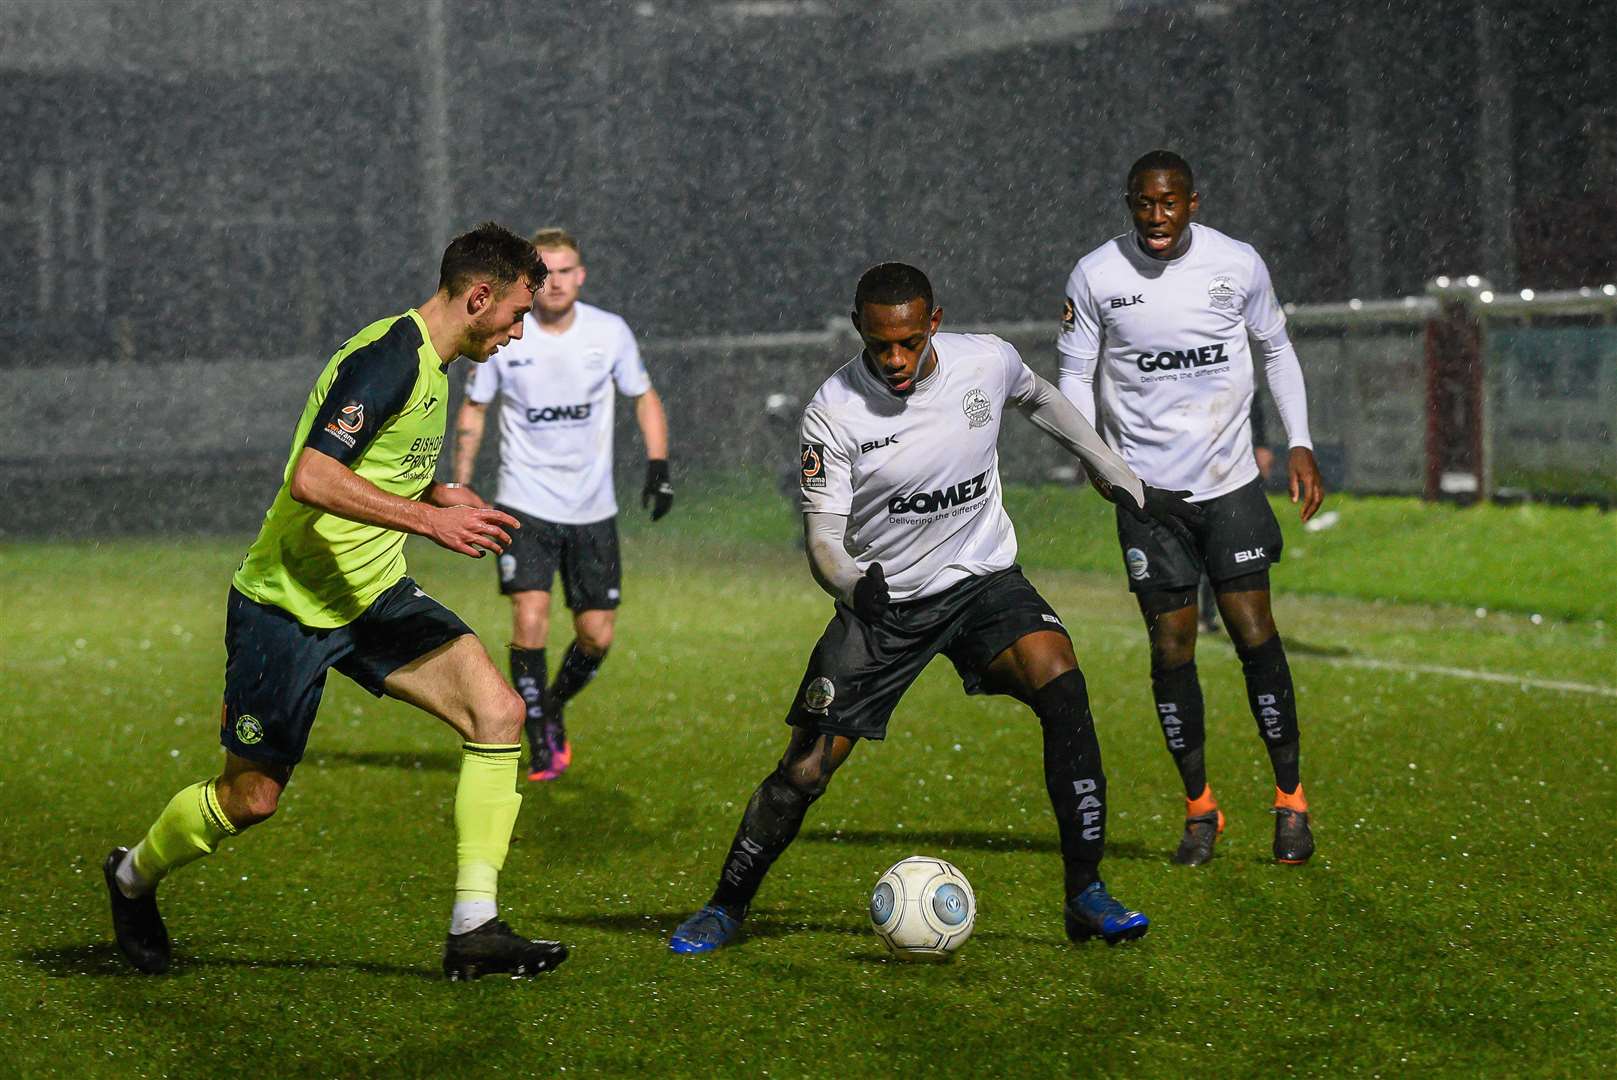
379 408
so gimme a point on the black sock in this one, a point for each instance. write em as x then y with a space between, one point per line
768 826
577 669
1274 706
1179 709
1073 777
528 674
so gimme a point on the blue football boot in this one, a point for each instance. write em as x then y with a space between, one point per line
708 929
1093 913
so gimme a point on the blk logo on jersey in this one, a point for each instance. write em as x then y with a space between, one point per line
1125 301
930 502
877 444
813 466
1198 356
559 412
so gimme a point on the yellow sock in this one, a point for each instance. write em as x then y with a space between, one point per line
486 805
192 825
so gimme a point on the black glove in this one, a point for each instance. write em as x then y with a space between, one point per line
1164 507
870 596
659 490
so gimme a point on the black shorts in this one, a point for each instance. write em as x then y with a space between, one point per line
859 670
587 555
275 667
1238 536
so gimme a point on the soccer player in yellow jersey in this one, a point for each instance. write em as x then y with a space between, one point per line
324 587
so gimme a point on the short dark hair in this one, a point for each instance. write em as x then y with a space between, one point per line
1162 161
892 283
489 252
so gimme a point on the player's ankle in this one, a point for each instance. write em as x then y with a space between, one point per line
1204 803
1294 800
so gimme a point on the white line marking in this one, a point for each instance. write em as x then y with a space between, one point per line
1523 681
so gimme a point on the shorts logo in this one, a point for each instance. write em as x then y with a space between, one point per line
1047 617
1249 555
1221 291
818 695
1139 566
813 466
979 410
248 730
612 594
508 567
1069 316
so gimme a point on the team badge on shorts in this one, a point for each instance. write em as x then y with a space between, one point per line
1221 291
819 694
1139 566
979 410
508 567
248 730
813 466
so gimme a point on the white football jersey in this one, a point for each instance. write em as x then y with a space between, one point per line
918 476
556 401
1174 369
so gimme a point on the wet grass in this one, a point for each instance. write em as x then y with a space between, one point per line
1457 919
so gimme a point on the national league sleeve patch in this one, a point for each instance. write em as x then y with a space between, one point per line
1069 316
813 466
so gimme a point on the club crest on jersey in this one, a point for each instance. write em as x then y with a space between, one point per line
1139 566
979 410
1221 291
813 466
1069 315
819 694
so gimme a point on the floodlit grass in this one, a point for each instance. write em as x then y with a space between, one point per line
1457 919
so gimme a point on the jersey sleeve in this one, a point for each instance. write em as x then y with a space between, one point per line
1079 338
628 370
1019 379
827 476
1262 312
483 383
370 389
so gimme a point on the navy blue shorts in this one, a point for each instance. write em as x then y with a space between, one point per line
275 667
860 669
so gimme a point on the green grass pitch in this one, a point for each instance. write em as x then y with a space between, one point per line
1457 920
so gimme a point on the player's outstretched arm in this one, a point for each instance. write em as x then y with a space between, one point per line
1059 418
328 485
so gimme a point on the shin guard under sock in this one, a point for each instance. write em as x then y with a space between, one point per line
768 826
577 669
486 805
1178 693
192 825
1274 706
1073 776
528 675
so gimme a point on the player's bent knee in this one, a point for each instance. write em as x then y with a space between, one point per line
498 719
249 799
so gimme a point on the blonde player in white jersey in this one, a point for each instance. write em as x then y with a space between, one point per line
556 388
1156 325
905 529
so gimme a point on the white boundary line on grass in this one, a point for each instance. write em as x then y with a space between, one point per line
1523 681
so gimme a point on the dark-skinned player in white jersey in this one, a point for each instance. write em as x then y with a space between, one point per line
1156 326
904 526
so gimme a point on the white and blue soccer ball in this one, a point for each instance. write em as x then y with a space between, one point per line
923 908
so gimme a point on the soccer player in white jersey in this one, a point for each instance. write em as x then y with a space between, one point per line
1157 322
555 386
904 527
